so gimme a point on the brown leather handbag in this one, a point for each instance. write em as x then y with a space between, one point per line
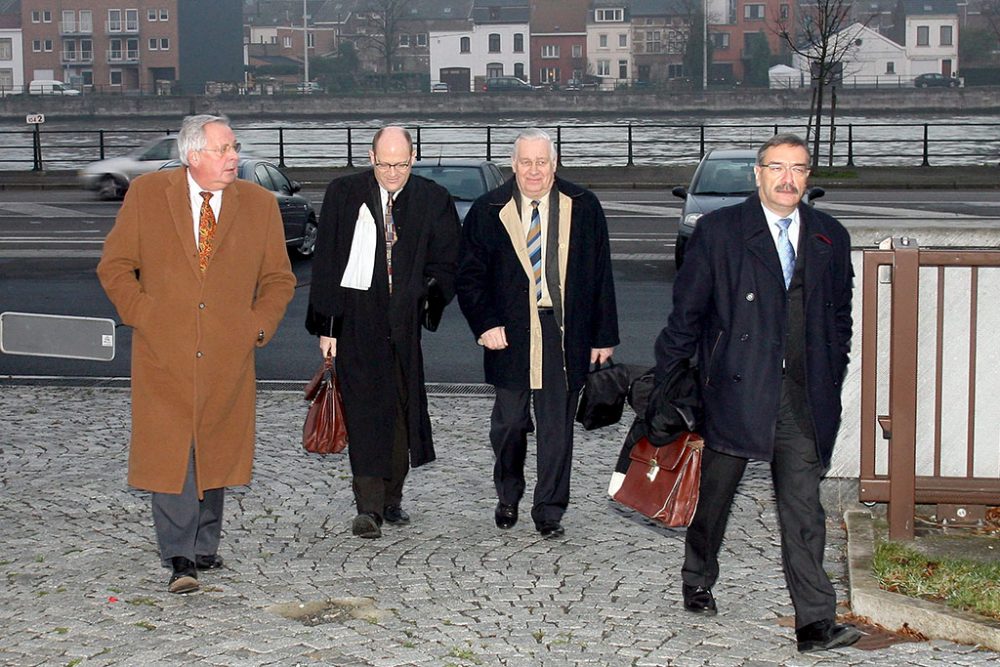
662 482
325 430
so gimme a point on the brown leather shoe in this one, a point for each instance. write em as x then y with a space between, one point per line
185 576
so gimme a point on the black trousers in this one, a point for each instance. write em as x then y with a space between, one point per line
510 423
373 494
186 525
796 472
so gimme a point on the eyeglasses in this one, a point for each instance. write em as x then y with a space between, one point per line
541 163
224 148
386 167
777 168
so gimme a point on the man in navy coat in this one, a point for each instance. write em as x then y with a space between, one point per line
535 284
764 301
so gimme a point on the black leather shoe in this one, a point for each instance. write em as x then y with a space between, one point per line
213 562
395 515
699 600
825 635
550 529
185 576
505 516
367 525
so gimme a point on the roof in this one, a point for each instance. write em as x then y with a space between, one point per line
501 11
929 7
657 7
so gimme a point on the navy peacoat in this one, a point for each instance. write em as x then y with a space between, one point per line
730 308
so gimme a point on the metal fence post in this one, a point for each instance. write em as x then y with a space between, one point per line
489 143
100 141
631 160
559 162
926 162
701 141
36 141
350 149
903 388
850 145
281 147
418 142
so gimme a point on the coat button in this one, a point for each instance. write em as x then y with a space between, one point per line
829 304
201 306
751 296
198 354
737 378
745 337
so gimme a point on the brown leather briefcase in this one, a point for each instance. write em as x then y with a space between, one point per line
662 482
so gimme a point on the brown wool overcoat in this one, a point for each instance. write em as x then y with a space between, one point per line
194 335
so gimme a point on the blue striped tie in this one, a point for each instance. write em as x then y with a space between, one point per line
786 253
535 247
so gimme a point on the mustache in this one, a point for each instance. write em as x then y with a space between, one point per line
786 187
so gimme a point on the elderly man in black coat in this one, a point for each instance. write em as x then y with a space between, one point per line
536 287
384 234
764 298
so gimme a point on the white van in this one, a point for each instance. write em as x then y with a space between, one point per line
50 87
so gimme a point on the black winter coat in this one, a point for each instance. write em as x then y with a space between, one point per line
368 324
730 308
493 287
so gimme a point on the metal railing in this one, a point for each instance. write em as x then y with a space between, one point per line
609 145
928 460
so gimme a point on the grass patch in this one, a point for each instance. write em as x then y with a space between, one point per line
961 584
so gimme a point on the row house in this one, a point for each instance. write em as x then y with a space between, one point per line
733 25
11 55
558 41
492 41
104 46
609 41
660 30
929 31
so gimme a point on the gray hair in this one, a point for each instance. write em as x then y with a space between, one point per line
530 134
192 134
786 139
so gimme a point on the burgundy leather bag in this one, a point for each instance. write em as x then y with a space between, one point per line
325 431
662 482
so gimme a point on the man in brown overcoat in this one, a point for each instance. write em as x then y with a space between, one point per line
196 264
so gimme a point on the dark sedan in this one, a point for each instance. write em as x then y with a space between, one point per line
297 212
466 180
935 80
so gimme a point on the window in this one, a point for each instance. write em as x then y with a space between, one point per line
115 50
36 45
946 35
494 42
164 44
623 40
622 69
86 50
404 40
602 41
6 79
464 45
494 70
115 21
286 42
86 21
164 14
923 35
890 67
675 71
753 12
151 15
69 50
422 39
609 15
548 75
115 77
577 51
783 12
154 44
132 20
68 21
550 51
36 17
88 77
518 42
720 40
6 48
48 46
603 68
519 70
46 16
653 44
311 40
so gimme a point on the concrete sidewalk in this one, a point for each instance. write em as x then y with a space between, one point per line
84 587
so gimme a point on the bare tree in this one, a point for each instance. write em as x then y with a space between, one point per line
990 9
382 30
819 36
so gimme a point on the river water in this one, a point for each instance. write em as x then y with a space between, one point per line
868 140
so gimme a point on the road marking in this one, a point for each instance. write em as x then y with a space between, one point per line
46 239
642 208
39 210
893 212
40 253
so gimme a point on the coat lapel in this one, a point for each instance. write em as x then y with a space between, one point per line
758 238
228 216
816 246
180 211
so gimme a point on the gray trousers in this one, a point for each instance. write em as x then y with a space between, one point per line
186 526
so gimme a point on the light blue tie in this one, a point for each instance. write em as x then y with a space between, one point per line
786 253
535 247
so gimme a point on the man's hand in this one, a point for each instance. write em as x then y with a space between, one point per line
494 339
328 346
598 355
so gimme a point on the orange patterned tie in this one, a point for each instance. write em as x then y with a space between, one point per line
206 230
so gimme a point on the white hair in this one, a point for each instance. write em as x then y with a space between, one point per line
192 134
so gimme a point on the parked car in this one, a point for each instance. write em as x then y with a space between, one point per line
466 180
587 82
297 213
935 80
50 87
723 178
308 88
439 87
111 177
506 84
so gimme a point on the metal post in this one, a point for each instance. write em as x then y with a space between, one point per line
558 146
926 162
100 140
350 149
305 49
631 161
418 142
37 141
701 141
903 388
281 147
489 143
850 144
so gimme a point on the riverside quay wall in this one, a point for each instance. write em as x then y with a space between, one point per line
735 101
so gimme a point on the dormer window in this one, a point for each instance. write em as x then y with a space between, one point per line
609 15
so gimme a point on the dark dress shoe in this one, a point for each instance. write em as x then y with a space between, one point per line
367 525
185 576
395 515
550 529
213 562
825 635
699 600
505 516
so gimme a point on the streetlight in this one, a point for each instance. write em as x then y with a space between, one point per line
305 46
704 46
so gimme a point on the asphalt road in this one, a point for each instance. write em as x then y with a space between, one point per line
50 242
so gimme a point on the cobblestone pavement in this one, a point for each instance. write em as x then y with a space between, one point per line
82 584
